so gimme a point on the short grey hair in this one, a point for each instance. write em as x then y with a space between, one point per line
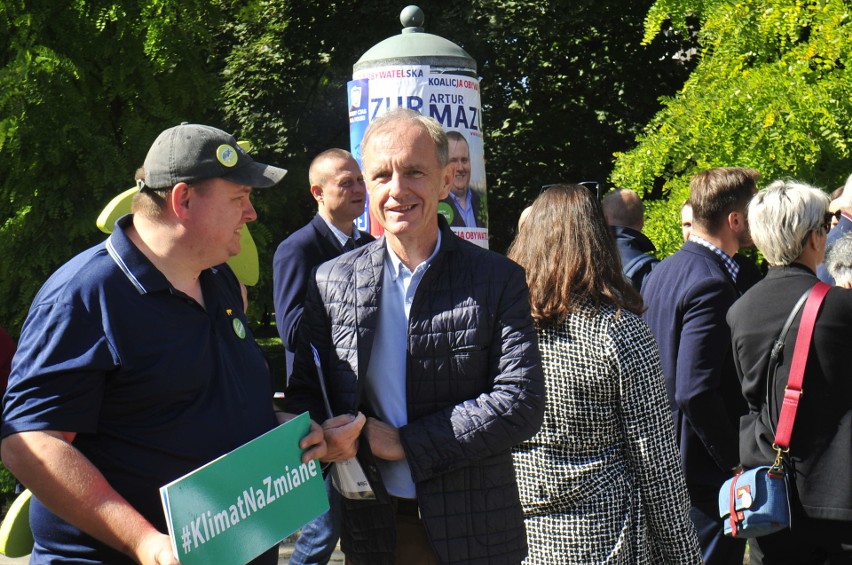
782 215
838 260
429 125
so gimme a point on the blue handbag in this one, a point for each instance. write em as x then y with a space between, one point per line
755 503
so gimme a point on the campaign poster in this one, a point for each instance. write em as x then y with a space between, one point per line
453 99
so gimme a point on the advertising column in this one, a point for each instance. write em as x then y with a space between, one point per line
435 77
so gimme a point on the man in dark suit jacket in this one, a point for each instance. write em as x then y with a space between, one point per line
338 187
465 204
688 296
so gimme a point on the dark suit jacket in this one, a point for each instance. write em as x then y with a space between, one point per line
294 261
821 445
458 219
688 296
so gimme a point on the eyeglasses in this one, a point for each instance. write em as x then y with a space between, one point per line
592 185
825 225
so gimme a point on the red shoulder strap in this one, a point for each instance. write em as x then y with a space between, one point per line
793 391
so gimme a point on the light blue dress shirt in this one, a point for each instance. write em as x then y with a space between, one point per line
467 213
385 384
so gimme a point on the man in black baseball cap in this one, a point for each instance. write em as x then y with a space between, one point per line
136 364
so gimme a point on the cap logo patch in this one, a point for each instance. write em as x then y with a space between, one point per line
227 155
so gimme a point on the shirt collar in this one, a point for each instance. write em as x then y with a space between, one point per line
342 237
730 265
136 267
397 265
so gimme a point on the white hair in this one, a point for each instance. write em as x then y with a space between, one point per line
838 260
782 215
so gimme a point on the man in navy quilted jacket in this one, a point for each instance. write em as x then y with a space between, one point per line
427 342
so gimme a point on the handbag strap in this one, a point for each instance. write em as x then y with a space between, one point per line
793 390
732 506
775 354
778 346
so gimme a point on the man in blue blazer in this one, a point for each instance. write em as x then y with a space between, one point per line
338 187
688 296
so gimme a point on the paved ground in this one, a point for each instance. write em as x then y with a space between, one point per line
283 557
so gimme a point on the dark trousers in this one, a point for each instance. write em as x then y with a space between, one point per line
716 547
412 542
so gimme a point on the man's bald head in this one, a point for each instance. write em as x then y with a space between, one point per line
623 207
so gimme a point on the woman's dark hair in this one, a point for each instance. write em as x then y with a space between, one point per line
570 257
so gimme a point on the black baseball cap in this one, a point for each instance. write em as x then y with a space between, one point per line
193 152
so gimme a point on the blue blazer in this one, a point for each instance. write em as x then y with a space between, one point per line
688 296
635 250
294 261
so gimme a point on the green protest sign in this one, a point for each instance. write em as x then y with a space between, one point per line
236 507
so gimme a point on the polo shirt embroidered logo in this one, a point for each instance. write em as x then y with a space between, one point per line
227 155
239 328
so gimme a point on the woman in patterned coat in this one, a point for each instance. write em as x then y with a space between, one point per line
601 482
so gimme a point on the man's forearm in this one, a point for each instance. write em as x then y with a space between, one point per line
67 483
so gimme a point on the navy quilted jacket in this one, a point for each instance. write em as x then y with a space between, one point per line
474 388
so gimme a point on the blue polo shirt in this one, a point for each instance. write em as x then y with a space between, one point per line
153 384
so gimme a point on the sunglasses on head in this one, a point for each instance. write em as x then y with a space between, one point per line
592 185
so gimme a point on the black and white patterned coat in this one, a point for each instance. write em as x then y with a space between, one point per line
601 482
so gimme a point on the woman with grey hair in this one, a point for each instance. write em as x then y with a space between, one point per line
789 222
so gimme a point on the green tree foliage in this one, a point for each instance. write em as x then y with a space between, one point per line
772 91
565 84
84 89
